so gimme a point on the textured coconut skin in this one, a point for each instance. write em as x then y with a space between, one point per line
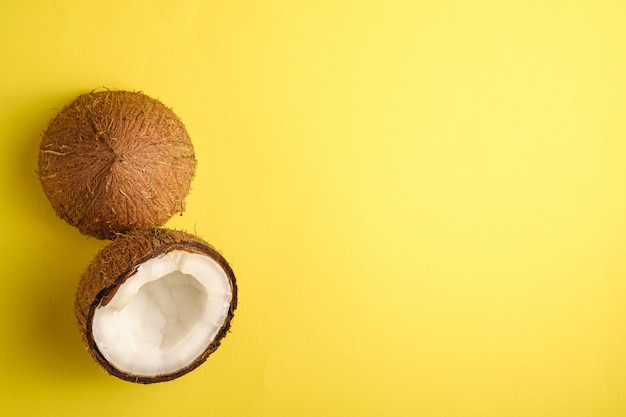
117 262
115 161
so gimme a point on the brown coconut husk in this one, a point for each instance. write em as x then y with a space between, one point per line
114 161
118 261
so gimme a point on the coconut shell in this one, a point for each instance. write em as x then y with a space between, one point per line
118 261
114 161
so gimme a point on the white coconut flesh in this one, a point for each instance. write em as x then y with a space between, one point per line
165 315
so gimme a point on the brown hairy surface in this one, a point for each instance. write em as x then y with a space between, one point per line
117 262
114 161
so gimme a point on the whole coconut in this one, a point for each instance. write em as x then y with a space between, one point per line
114 161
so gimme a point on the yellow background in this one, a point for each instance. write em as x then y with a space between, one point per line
424 203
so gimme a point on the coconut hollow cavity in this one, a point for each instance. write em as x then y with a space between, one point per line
114 161
153 305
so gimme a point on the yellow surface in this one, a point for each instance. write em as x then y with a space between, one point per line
424 203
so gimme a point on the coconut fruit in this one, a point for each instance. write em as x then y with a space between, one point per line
114 161
154 304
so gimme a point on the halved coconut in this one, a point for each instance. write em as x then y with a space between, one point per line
153 305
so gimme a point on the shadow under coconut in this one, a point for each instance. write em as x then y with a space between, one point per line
26 126
57 349
52 344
